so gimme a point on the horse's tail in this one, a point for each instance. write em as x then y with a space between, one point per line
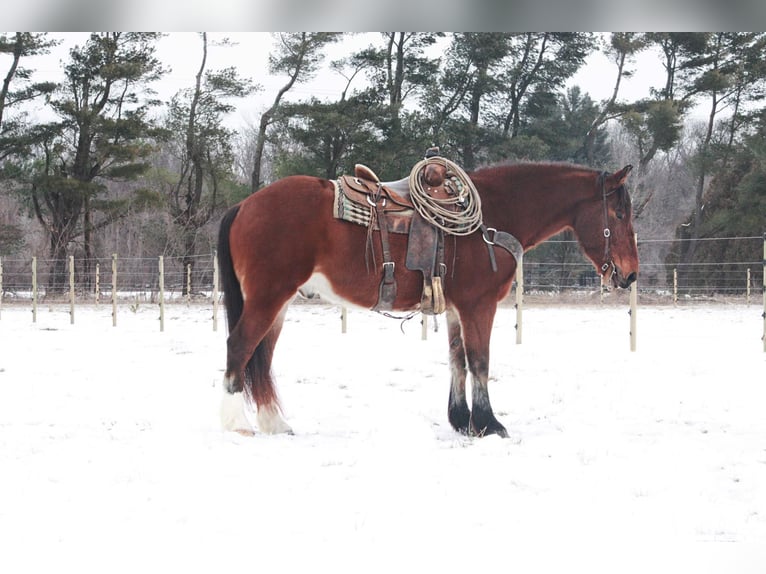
232 293
258 383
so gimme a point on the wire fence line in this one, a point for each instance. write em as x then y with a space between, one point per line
564 271
184 278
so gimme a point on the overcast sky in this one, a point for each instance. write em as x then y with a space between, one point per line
181 52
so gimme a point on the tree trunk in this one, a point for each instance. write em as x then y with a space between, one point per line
58 267
190 246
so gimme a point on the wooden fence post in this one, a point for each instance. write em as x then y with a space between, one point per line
675 286
98 281
633 309
188 283
114 289
34 289
71 289
747 287
519 298
162 293
1 287
423 327
602 289
215 291
764 292
343 319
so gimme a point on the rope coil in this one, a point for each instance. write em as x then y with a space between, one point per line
458 215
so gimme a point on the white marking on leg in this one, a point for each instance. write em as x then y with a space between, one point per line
271 422
233 415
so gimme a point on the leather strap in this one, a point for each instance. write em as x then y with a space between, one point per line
387 292
502 239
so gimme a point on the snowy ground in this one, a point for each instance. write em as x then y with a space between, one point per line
111 458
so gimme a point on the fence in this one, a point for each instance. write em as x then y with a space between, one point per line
192 278
562 273
133 281
660 279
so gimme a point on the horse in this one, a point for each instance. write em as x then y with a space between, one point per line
284 237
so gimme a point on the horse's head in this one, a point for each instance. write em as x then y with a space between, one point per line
604 227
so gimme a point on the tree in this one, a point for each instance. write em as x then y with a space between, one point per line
203 147
298 55
399 71
17 88
622 48
538 61
735 206
454 104
327 139
729 71
560 122
103 135
656 122
486 81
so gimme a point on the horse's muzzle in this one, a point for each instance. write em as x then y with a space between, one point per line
621 281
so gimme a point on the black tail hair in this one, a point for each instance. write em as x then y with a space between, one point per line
232 294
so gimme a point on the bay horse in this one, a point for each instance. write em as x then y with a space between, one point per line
285 237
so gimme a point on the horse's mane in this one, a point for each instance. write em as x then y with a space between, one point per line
622 192
522 164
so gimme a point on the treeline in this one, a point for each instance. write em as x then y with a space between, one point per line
119 170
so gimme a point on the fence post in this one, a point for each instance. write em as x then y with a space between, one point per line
34 289
162 293
343 319
747 287
519 298
215 291
71 289
98 281
1 287
601 289
423 327
114 289
188 283
675 286
764 292
633 309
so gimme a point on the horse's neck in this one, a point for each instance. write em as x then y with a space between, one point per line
536 211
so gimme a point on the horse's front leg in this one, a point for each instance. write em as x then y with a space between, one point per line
477 328
458 412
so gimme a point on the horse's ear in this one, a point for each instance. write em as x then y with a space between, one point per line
618 178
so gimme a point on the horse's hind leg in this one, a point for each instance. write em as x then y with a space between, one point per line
250 348
458 412
269 416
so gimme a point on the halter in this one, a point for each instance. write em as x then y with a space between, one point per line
607 232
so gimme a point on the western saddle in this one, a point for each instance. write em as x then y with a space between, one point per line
389 208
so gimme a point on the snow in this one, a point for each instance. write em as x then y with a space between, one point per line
112 459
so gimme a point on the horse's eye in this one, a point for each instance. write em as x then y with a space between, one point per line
619 214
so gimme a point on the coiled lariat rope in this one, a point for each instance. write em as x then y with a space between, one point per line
459 214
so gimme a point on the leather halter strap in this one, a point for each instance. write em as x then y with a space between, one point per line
607 232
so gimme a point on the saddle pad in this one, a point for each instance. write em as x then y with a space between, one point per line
346 209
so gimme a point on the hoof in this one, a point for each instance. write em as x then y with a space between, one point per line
488 427
233 417
271 422
460 418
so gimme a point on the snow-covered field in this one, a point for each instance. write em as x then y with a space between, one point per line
111 457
